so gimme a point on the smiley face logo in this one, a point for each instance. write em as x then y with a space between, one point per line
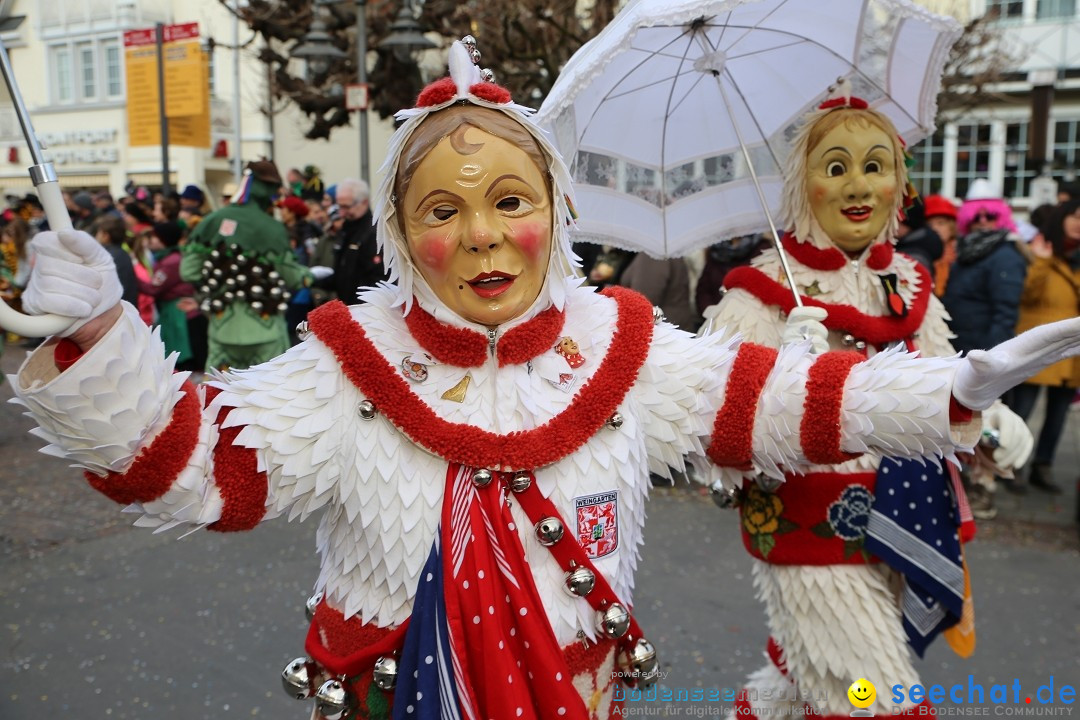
862 693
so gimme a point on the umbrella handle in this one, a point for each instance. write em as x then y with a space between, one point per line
52 200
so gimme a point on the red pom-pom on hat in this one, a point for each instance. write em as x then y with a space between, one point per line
490 92
436 93
853 102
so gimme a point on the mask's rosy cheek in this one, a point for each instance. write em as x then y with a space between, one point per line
534 239
432 251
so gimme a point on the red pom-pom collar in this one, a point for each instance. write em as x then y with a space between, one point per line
469 445
462 347
879 258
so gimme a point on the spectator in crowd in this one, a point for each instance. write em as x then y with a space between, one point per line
721 258
16 262
165 209
169 290
81 209
105 205
1051 292
358 262
916 239
192 200
985 282
983 299
941 218
667 285
111 232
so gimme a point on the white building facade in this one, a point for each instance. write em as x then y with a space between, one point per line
68 58
994 141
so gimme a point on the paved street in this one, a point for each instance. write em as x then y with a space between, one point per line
100 620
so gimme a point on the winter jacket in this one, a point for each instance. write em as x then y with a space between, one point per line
1051 293
983 295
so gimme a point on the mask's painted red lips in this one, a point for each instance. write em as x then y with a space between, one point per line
858 214
491 284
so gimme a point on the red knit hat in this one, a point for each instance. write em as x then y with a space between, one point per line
294 205
938 205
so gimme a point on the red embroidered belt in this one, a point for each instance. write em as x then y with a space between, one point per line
813 519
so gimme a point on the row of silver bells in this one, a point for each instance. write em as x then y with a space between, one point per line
333 701
303 679
638 666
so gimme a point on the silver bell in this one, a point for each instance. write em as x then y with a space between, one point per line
725 497
257 306
215 254
580 581
848 339
549 531
296 679
488 75
521 481
615 421
303 331
366 408
638 665
481 478
241 279
312 603
860 345
614 621
385 673
474 54
468 41
768 484
333 701
658 315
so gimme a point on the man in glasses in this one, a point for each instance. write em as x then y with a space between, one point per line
358 262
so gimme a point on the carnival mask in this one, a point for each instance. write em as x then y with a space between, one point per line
477 219
852 186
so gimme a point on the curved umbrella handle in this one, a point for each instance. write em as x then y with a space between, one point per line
52 200
41 325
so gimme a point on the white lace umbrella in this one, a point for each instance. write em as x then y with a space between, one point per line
677 116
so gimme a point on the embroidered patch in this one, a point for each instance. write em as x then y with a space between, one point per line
566 382
415 367
570 352
227 228
598 523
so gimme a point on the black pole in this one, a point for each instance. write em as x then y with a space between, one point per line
166 188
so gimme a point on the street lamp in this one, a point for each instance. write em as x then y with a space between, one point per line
406 36
316 48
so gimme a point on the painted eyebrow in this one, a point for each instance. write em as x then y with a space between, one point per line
880 147
841 149
436 192
499 179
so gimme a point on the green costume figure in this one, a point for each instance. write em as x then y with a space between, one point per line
243 268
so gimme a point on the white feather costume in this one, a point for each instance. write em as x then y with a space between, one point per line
295 421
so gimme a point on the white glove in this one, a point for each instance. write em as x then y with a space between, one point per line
984 375
321 272
73 275
1015 441
804 323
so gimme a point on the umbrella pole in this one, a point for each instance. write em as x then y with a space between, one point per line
761 196
45 182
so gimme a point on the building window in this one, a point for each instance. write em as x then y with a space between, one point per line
63 75
1066 150
972 155
1004 9
114 81
929 156
1019 170
86 71
1054 9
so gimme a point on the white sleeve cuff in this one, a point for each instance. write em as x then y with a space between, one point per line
111 402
